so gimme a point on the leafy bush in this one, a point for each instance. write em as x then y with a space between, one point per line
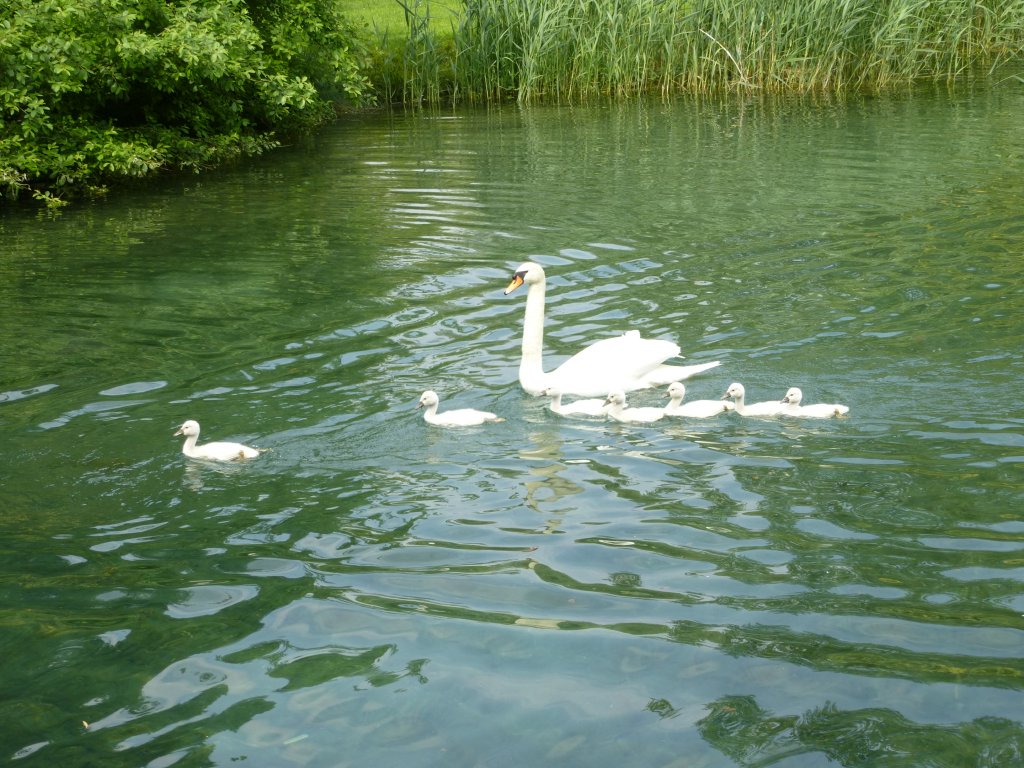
95 91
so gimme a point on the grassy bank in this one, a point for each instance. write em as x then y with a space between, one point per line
410 44
569 50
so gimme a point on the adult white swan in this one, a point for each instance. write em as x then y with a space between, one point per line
625 362
213 451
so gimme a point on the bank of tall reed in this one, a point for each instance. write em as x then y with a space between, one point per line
570 50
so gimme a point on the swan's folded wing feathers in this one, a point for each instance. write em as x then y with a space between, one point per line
630 355
666 374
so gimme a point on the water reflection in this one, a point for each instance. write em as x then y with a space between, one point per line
196 472
751 735
545 488
546 591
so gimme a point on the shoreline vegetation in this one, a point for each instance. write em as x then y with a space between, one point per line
96 92
573 50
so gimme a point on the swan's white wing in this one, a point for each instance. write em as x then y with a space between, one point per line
463 417
638 415
823 410
617 363
766 408
700 408
219 451
628 355
666 374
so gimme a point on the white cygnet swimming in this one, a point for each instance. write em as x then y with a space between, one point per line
791 402
220 451
736 393
462 417
791 407
617 410
699 409
625 363
591 407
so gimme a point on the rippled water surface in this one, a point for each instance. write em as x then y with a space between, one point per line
543 591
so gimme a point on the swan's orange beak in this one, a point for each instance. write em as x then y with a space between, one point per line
517 280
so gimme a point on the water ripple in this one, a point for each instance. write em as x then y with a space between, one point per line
545 590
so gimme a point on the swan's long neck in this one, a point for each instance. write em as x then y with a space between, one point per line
190 445
740 405
531 368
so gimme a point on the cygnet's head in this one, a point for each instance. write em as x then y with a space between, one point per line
793 396
528 273
734 392
428 399
677 390
616 398
188 429
552 392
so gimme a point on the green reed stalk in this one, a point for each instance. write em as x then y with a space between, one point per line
571 50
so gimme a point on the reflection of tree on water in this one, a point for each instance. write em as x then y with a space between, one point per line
865 738
824 653
546 488
662 708
307 668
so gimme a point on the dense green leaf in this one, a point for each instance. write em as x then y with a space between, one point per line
93 91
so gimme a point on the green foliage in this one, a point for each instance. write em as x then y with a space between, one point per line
574 49
311 40
96 91
409 46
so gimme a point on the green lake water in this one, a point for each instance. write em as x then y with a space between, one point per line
543 591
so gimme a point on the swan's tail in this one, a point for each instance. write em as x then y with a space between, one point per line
666 374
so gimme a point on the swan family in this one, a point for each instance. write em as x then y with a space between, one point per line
609 368
600 374
614 407
623 363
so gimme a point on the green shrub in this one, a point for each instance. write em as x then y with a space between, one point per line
95 91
